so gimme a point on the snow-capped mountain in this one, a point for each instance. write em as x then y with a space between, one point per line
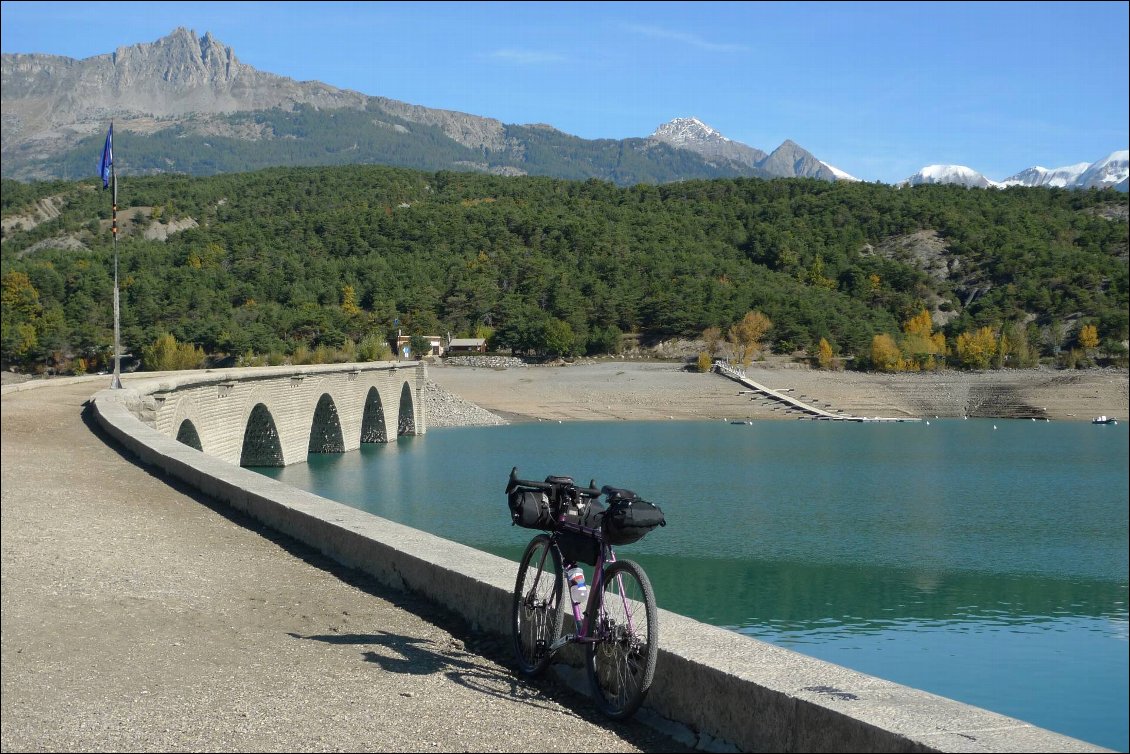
958 174
790 160
1055 177
1113 171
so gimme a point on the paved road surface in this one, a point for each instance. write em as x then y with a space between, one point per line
138 615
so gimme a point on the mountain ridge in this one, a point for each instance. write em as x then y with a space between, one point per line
1112 171
187 104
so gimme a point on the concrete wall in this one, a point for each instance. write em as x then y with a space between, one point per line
714 689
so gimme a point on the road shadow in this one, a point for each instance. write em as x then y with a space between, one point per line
485 673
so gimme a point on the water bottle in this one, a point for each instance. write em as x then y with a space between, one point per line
578 589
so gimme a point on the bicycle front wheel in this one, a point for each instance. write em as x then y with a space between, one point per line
621 663
538 611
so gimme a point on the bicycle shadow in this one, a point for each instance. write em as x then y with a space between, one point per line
396 653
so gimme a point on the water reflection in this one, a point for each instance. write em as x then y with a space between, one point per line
792 596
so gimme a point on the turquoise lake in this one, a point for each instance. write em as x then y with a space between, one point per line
982 560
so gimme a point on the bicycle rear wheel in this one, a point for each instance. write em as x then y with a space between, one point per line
538 611
622 663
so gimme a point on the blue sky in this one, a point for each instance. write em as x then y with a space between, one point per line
878 90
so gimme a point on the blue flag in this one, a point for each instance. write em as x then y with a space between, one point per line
107 158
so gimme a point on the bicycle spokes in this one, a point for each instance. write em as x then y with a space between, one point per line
621 662
537 615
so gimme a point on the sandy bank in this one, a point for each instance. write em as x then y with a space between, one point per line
640 390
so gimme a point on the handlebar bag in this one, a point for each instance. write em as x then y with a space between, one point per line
629 520
530 509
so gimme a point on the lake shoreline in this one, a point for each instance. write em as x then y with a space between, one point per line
665 390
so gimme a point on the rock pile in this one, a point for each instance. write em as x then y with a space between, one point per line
483 361
444 409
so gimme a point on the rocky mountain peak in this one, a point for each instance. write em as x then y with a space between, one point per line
181 60
684 131
694 135
51 101
792 160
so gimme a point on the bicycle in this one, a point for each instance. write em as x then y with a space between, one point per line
617 623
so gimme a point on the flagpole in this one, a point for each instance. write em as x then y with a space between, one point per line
116 384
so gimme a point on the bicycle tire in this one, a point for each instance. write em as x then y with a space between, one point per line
538 610
622 664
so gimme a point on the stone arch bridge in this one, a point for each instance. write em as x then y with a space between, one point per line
275 416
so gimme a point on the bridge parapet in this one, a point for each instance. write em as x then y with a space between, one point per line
275 416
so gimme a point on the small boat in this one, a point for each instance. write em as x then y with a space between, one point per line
1104 420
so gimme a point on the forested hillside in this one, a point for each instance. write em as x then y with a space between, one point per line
288 262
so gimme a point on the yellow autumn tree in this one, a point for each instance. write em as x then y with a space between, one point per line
975 350
885 355
166 354
920 344
746 336
824 357
1089 336
349 301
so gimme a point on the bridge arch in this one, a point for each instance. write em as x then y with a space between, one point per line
325 428
373 418
188 435
406 421
261 443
